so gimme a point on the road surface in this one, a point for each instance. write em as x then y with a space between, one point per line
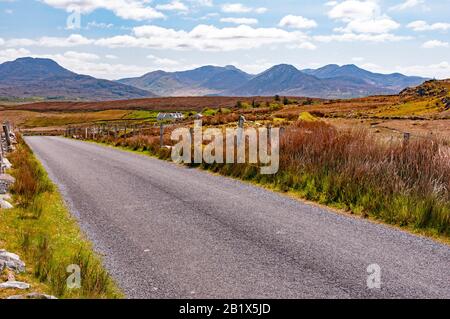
167 231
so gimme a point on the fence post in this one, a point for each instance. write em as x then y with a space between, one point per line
1 155
161 135
7 137
406 138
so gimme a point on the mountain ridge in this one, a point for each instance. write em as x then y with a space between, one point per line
34 77
330 81
37 77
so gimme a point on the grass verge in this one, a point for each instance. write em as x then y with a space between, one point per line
41 230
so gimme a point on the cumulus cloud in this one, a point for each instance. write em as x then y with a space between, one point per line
240 20
240 8
12 54
126 9
204 38
432 44
437 70
421 25
173 6
297 22
362 17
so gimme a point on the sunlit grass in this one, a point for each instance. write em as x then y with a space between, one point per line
47 237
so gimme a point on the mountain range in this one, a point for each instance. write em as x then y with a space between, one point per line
31 77
331 81
44 78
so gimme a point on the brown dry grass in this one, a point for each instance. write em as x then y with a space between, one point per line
168 104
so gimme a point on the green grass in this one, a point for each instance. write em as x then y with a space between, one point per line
142 115
41 230
416 108
307 117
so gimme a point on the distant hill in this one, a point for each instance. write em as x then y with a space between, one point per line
207 80
394 81
44 78
331 81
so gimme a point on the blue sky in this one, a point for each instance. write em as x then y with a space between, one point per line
123 38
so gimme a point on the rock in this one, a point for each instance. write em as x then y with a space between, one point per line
11 261
14 285
6 163
33 296
5 205
6 197
446 102
6 181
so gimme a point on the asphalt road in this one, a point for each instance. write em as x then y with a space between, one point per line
168 231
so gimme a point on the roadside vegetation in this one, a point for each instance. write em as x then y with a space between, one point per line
401 183
41 230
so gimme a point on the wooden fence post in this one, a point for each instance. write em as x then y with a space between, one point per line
406 138
7 137
161 135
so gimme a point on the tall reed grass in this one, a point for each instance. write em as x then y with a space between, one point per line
402 183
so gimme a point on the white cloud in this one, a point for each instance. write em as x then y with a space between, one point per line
81 56
432 44
302 45
12 54
377 25
240 20
70 41
88 63
331 3
438 70
173 6
204 38
162 61
240 8
202 3
364 37
407 4
421 25
354 10
362 17
111 57
297 22
125 9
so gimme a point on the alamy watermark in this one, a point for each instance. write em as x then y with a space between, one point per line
74 279
374 278
259 146
73 21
